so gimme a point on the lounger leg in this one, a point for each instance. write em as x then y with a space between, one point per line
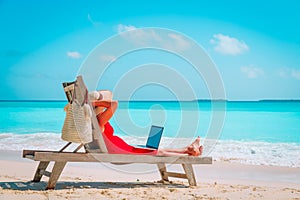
162 169
190 174
38 175
56 171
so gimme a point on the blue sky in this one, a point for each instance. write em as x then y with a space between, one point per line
254 44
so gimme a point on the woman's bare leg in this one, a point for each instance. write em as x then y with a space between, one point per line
194 149
176 150
163 152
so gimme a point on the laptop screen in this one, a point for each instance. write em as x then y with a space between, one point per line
154 136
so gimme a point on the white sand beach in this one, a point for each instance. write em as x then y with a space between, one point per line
221 180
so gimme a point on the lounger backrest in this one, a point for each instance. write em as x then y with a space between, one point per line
97 145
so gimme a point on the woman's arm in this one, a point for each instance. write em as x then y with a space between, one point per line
105 103
110 105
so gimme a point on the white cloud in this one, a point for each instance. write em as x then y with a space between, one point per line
74 54
289 72
150 37
121 28
108 58
181 43
252 72
137 35
227 45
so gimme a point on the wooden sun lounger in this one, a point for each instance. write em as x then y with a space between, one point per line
96 152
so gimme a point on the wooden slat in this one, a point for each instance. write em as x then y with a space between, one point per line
188 168
45 173
118 158
42 166
56 171
162 170
69 88
68 144
27 152
175 174
77 149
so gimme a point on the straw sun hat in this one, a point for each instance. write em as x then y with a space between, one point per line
100 95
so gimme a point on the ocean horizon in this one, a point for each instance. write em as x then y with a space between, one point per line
142 100
264 132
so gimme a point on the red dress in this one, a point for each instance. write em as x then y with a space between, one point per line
116 145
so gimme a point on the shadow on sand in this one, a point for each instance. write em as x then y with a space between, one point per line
95 185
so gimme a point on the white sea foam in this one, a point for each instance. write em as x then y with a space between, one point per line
48 141
256 153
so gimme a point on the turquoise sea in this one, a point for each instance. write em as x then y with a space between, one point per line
253 132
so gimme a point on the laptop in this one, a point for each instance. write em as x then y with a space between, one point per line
154 138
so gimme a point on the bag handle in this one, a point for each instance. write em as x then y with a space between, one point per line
74 96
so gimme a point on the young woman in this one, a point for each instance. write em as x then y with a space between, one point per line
105 108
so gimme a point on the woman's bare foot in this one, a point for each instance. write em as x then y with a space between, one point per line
195 149
200 150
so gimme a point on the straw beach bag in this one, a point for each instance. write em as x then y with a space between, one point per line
77 126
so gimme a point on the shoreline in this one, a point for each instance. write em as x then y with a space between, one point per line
220 180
